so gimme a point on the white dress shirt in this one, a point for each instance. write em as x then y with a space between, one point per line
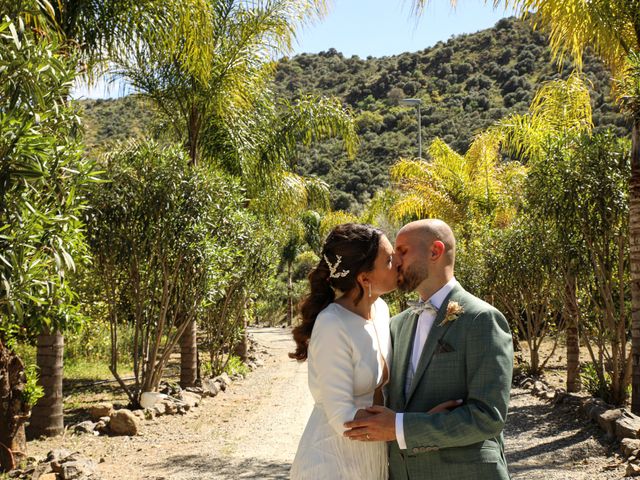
425 322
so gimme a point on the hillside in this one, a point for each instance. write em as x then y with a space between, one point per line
465 84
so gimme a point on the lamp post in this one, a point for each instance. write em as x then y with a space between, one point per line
416 102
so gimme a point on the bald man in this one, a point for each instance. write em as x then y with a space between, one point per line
451 346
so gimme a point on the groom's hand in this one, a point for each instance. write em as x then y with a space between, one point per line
379 427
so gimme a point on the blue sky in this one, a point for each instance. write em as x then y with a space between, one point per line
374 27
387 27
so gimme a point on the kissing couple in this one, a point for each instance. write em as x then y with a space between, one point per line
421 396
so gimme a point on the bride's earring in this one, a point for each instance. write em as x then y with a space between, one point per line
369 290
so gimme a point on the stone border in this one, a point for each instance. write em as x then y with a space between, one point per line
110 419
618 424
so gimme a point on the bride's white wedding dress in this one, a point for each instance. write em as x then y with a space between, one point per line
348 358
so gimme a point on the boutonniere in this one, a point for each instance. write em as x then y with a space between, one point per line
454 310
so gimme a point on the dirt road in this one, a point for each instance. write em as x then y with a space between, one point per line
252 431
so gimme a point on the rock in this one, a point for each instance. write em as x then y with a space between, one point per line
196 390
85 427
210 388
629 446
46 476
191 399
607 421
628 425
123 422
71 471
223 380
632 470
57 455
550 395
139 414
526 382
539 387
101 427
159 409
77 470
100 410
149 414
170 407
41 471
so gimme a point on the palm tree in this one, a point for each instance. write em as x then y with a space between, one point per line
612 29
460 189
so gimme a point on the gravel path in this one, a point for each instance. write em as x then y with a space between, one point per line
252 431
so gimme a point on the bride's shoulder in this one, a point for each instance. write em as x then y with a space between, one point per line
330 314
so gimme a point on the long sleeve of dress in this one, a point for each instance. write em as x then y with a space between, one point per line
332 370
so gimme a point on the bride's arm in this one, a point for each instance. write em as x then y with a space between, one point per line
330 349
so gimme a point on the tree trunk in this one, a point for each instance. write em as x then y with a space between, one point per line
47 417
241 350
535 361
634 243
189 356
290 296
573 339
13 410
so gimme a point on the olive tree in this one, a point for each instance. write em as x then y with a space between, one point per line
588 200
152 229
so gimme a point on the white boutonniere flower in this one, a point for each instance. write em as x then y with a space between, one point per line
454 310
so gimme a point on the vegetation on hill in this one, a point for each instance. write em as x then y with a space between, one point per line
466 84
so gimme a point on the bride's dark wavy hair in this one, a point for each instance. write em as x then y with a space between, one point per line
357 245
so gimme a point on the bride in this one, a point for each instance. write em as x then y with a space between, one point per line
344 336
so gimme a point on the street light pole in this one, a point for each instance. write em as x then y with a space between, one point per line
416 102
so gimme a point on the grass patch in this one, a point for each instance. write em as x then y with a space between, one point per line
235 365
87 369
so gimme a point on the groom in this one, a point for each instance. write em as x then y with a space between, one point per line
451 346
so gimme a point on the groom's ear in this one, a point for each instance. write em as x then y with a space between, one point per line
437 249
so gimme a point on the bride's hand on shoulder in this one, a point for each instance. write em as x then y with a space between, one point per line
446 406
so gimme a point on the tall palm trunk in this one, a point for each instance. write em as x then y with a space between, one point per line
189 356
47 416
573 339
189 340
634 241
13 410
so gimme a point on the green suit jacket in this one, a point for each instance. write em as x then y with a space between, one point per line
469 358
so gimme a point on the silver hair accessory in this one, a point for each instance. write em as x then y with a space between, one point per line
333 268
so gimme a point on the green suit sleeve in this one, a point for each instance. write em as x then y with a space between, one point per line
489 369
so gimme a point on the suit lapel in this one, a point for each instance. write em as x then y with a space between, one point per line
436 333
402 351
